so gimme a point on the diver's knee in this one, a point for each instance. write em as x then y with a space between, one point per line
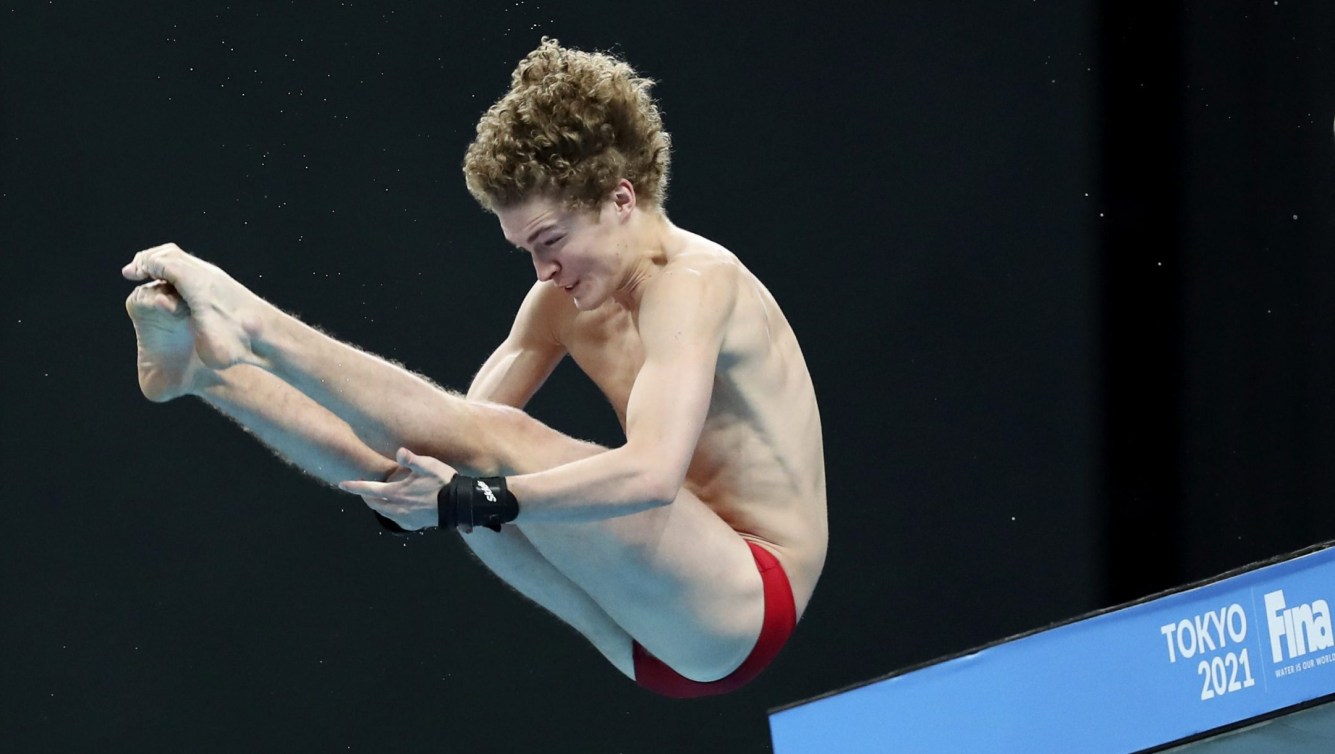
497 435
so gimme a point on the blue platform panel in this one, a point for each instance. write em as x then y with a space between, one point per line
1167 669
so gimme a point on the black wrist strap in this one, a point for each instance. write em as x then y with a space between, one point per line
476 501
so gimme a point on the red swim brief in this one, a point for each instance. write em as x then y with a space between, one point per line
780 618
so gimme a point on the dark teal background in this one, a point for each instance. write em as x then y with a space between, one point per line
1070 341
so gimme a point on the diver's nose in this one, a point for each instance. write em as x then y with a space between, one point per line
546 270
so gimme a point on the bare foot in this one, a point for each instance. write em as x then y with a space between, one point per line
224 314
168 364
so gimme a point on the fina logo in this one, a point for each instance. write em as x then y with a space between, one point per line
1305 627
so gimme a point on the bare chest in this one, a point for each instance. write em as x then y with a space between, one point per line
606 346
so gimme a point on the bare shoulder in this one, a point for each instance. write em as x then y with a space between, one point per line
546 312
698 265
704 256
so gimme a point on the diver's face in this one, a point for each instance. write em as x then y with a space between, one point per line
576 250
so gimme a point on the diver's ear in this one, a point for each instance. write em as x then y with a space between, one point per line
623 198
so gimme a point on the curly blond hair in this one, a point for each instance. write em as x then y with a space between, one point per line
572 125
